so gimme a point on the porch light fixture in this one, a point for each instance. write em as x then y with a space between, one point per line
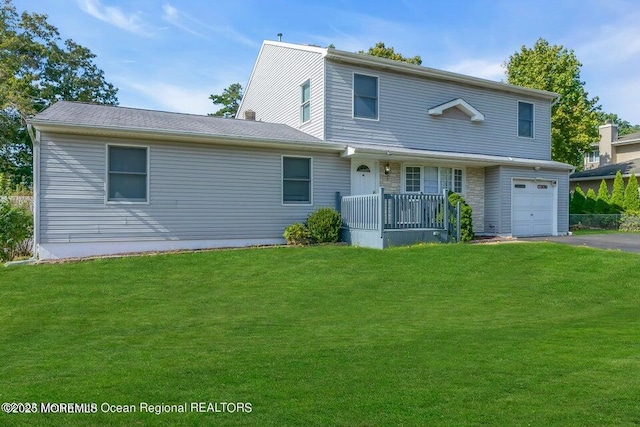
387 169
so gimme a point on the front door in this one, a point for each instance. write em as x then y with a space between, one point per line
364 177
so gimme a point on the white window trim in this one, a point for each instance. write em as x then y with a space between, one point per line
533 119
353 96
302 103
106 175
403 177
596 159
282 202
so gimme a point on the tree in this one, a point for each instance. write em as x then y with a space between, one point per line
36 69
631 195
230 98
602 202
382 51
624 127
574 118
590 203
617 195
578 199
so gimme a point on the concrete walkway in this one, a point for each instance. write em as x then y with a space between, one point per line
627 242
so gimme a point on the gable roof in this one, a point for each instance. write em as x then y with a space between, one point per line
371 61
462 105
627 139
83 117
608 171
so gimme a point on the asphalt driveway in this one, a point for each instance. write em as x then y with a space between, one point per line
627 242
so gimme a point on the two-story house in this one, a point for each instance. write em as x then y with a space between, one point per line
380 139
610 155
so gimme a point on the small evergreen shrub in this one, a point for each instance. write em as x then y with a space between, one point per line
16 227
297 234
602 202
590 203
617 195
630 221
577 201
324 225
466 211
631 195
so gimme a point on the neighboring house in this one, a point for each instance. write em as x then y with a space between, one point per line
322 128
608 156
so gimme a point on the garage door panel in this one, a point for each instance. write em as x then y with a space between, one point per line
532 208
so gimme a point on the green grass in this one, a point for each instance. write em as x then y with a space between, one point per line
512 334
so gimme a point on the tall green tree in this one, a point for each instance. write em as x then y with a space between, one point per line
576 205
631 195
574 118
590 203
617 194
229 99
382 51
38 68
624 127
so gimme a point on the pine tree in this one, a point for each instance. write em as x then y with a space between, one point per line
577 201
602 203
617 195
631 195
590 203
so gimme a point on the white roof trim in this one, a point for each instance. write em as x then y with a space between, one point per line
461 104
406 154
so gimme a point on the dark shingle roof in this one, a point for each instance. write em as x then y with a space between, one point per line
625 168
629 137
103 116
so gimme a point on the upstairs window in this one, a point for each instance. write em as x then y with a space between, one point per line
305 101
127 174
296 180
525 119
365 96
594 156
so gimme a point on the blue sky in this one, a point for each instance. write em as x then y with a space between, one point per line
171 55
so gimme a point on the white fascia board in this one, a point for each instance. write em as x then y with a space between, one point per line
626 142
404 154
305 47
182 136
598 177
403 67
476 116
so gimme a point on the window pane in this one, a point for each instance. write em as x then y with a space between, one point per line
296 168
296 191
525 111
306 92
412 177
306 112
457 180
365 107
127 187
127 159
431 180
524 128
365 86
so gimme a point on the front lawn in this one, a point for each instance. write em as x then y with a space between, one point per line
510 334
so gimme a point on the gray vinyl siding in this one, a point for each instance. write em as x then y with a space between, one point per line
197 192
492 200
273 91
506 176
404 121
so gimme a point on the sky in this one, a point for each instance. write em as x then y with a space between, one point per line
171 55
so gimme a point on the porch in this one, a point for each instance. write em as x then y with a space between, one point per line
383 220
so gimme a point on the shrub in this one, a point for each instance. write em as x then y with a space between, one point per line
590 203
466 223
16 227
577 201
297 234
602 202
617 195
324 225
630 221
631 196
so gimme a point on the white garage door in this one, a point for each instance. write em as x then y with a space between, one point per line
532 206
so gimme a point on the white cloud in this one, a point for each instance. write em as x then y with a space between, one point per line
482 68
612 44
170 97
198 28
128 21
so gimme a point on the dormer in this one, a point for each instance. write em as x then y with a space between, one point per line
461 105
